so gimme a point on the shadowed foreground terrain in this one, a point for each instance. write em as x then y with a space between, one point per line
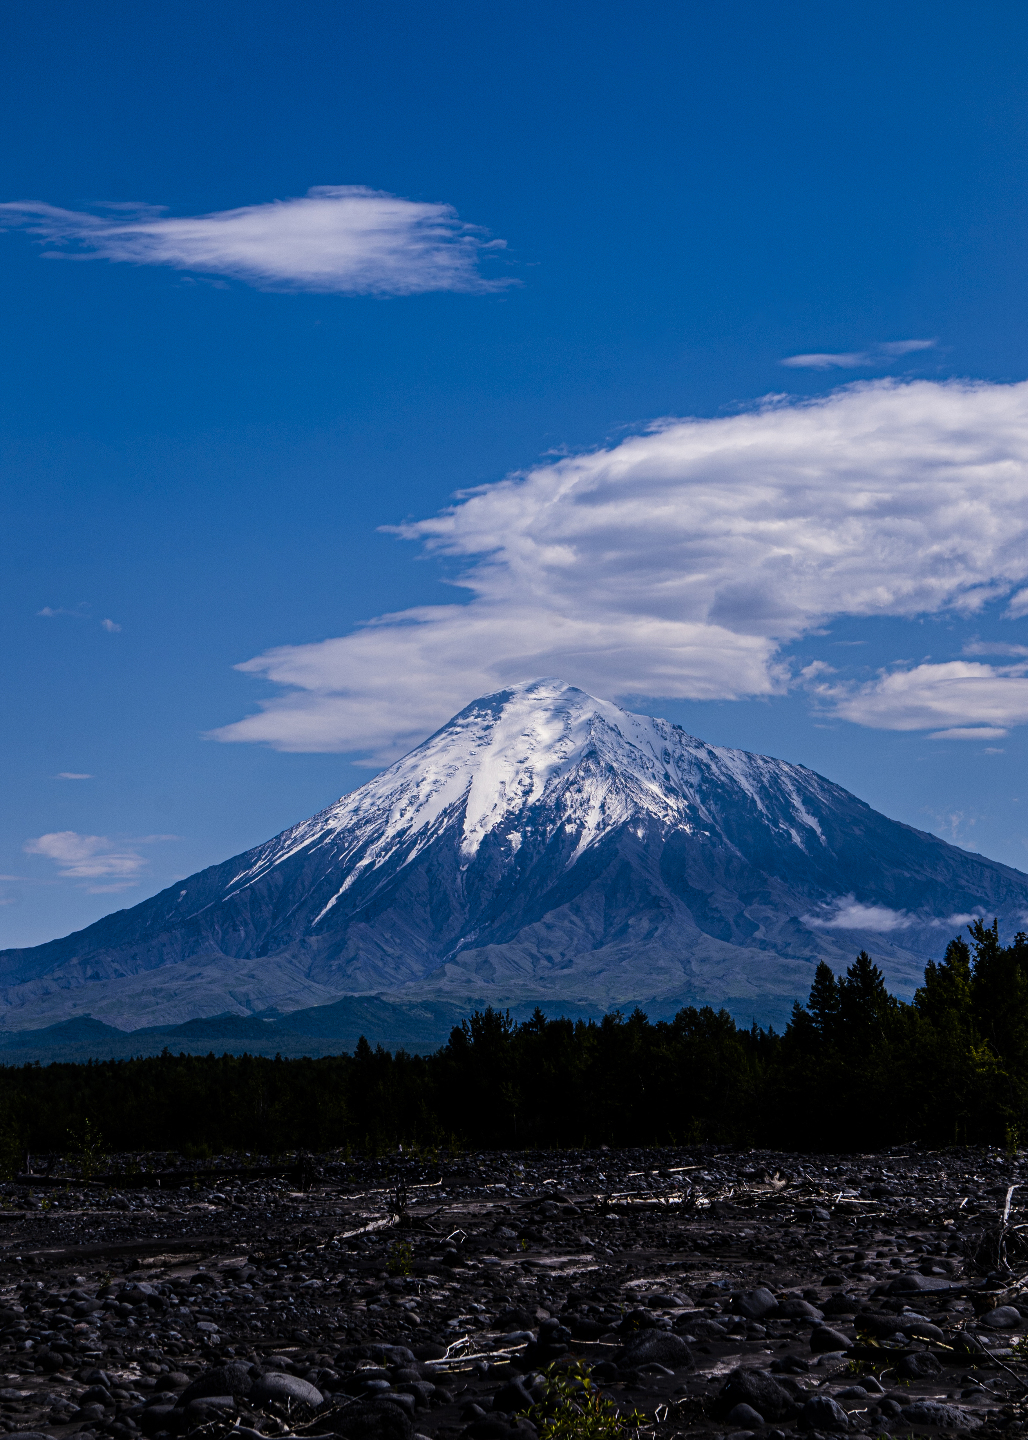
714 1292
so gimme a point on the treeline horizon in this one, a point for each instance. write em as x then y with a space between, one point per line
855 1068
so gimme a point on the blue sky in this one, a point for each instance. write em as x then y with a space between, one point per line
505 244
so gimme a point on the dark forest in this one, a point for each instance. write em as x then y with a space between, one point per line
856 1068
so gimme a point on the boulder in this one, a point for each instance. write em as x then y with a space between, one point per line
823 1340
659 1347
282 1387
745 1417
918 1367
758 1390
945 1417
235 1378
158 1417
754 1304
821 1412
795 1309
914 1284
369 1420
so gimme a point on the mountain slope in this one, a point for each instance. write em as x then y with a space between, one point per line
541 845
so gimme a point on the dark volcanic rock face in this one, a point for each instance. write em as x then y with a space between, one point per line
543 846
690 1283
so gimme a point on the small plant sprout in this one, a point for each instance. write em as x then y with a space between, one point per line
572 1408
401 1258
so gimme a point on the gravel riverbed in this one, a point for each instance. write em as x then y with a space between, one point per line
715 1292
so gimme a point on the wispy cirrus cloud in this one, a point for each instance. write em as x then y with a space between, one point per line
336 239
678 562
73 775
82 611
94 857
994 647
873 357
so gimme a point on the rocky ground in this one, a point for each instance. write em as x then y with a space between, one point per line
706 1292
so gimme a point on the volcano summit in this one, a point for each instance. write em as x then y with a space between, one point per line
542 847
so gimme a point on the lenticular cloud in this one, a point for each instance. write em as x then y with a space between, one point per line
337 239
678 563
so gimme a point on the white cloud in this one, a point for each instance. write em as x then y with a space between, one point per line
851 360
93 857
110 626
849 914
969 732
994 647
679 561
877 355
73 775
337 239
968 699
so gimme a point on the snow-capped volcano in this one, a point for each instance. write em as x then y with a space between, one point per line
542 846
546 755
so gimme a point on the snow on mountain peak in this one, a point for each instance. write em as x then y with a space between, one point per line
591 765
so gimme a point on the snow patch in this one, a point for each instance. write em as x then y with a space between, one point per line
591 766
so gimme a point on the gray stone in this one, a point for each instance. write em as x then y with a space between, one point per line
821 1412
281 1387
755 1388
157 1417
210 1407
879 1325
235 1378
422 1391
95 1395
403 1399
754 1304
92 1412
840 1305
1004 1317
796 1309
823 1340
918 1367
913 1284
745 1417
946 1417
656 1346
920 1327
